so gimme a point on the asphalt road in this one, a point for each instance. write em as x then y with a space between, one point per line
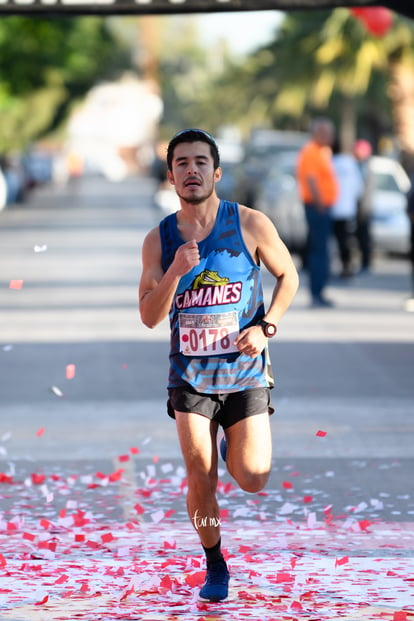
69 269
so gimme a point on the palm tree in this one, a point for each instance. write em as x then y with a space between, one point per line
322 55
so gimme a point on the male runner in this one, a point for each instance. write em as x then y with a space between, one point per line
201 266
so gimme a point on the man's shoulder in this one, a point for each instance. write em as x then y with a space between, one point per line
308 151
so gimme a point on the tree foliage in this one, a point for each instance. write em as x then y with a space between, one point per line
44 65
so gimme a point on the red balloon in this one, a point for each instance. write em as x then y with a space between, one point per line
357 12
377 19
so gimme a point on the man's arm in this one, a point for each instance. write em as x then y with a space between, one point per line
263 240
157 288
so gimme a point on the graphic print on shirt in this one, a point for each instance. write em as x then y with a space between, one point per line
209 289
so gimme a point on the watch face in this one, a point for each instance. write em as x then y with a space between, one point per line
270 329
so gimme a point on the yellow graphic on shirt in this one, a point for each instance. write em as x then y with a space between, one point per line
209 278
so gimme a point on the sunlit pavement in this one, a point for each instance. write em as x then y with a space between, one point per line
92 492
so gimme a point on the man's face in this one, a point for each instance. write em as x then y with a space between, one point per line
193 173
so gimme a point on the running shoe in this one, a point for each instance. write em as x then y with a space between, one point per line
216 586
223 448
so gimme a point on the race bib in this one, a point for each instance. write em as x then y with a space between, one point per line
208 335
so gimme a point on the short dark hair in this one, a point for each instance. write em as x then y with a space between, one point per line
193 135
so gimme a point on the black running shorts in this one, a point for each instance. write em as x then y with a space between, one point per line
225 408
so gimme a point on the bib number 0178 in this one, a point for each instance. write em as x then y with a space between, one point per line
199 339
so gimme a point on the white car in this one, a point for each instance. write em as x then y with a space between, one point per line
3 191
390 225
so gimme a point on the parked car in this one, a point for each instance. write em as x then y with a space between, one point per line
263 146
3 190
279 199
390 224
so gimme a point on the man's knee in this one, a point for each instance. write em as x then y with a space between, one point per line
201 481
253 482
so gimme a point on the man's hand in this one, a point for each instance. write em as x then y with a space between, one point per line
186 257
251 341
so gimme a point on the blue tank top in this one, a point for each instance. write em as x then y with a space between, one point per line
218 298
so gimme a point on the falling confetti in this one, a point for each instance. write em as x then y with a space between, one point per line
56 391
70 371
16 284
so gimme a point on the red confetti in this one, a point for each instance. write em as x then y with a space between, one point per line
195 579
5 478
37 479
341 561
287 485
399 615
42 601
117 475
123 458
40 432
307 499
139 509
107 538
16 284
284 577
134 450
3 561
63 578
364 524
45 523
70 371
321 434
169 545
296 605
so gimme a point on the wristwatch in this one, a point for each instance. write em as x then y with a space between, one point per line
269 329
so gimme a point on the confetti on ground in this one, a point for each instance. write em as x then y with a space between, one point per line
118 545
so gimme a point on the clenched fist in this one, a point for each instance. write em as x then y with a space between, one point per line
186 257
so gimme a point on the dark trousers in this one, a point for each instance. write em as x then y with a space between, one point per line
343 233
318 263
363 235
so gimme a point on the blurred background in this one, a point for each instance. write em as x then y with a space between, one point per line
101 95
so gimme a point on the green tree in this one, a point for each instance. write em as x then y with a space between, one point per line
44 66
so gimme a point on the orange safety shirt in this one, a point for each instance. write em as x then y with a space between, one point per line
315 161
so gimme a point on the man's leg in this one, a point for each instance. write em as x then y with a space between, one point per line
198 440
319 228
197 435
249 451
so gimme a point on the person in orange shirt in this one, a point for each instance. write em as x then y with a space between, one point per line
318 189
